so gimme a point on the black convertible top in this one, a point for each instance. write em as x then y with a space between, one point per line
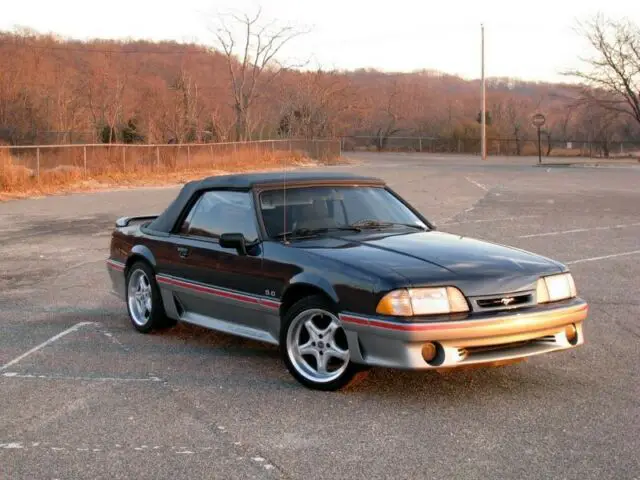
165 221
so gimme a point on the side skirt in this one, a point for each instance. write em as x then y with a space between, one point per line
228 327
212 323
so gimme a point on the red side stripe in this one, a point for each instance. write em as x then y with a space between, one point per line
115 265
204 289
271 304
217 292
354 320
407 327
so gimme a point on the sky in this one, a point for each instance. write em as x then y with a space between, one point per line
533 40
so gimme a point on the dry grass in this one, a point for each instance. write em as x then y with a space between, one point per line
107 170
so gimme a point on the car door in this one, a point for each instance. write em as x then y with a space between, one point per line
212 284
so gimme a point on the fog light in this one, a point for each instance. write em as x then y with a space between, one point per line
429 352
571 332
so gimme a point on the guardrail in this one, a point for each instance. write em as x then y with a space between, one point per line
98 158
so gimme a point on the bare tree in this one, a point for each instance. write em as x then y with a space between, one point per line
186 109
250 55
312 104
599 126
612 75
103 85
390 115
510 115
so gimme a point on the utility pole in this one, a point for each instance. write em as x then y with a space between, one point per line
483 114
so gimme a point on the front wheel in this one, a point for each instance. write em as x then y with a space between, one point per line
314 346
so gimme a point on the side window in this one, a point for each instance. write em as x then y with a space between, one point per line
218 212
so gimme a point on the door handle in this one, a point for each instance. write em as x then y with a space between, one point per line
183 252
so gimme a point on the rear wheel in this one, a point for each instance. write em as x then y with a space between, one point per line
144 302
314 346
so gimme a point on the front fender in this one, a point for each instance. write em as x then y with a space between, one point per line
313 280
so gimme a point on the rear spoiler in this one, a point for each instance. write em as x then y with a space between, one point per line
125 221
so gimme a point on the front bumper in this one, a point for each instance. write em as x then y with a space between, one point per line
497 339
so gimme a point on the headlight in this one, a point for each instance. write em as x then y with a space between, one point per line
423 301
555 287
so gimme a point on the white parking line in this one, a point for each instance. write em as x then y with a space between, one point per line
89 448
479 185
580 230
604 257
92 379
44 344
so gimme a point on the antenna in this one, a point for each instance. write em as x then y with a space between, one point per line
284 195
483 107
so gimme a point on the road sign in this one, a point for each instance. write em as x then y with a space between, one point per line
538 120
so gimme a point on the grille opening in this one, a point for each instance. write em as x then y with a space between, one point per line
506 346
547 338
178 305
363 352
505 301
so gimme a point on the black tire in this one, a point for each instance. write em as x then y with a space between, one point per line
352 374
157 317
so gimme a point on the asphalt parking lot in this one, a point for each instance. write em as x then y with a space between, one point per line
85 396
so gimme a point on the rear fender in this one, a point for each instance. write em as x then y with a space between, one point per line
141 251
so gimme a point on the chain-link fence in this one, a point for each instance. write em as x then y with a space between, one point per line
108 158
495 146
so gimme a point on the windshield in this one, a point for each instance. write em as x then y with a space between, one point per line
316 209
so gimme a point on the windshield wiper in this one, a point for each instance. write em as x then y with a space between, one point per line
379 224
307 232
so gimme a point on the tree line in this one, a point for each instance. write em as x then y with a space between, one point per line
55 90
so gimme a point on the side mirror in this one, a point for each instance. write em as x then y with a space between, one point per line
234 240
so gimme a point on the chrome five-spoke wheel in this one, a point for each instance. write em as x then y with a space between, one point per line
144 301
140 299
314 345
317 346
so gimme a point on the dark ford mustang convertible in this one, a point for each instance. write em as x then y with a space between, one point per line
342 274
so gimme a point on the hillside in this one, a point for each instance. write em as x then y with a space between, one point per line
62 91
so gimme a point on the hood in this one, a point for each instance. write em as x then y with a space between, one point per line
475 266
